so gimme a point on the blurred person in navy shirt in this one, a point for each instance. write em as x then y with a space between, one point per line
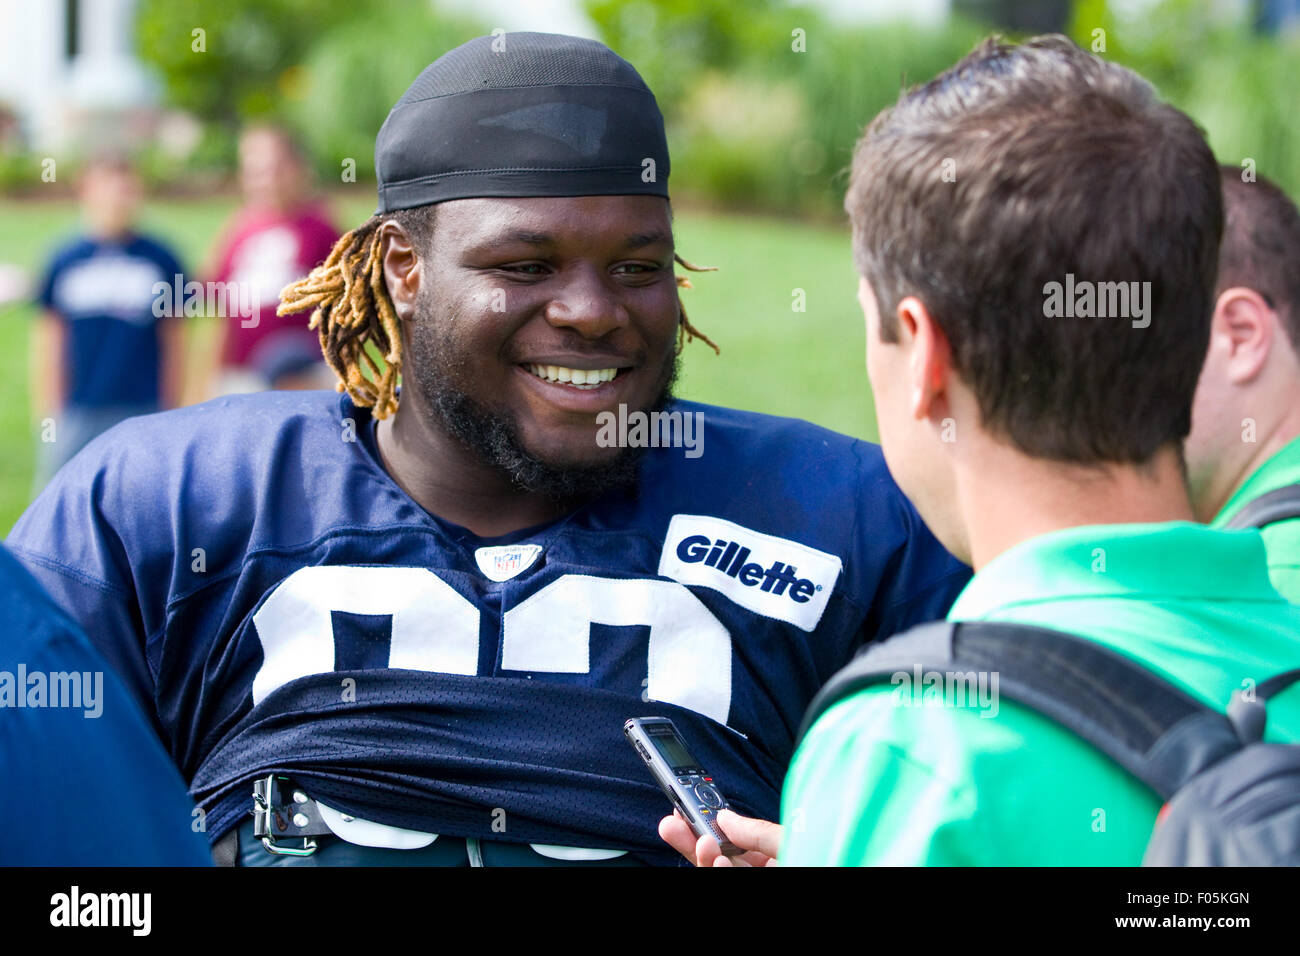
101 352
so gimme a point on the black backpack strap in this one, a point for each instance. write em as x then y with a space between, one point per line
929 645
1156 731
1279 505
1248 714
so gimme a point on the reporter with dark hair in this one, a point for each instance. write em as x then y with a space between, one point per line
1035 330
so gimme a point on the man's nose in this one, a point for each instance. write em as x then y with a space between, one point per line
589 303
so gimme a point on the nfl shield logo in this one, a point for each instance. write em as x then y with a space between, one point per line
504 562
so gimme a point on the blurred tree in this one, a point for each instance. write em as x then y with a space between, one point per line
1206 59
328 69
764 101
672 42
356 71
237 67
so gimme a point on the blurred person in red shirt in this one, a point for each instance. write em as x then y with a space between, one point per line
279 235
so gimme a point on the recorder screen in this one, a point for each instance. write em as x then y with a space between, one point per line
673 750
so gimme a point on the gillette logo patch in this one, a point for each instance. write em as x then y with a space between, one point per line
775 577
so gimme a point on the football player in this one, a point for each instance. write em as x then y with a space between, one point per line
408 627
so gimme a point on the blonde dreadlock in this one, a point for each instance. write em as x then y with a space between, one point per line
686 331
352 311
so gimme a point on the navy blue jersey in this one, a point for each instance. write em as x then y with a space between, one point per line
85 782
104 292
270 593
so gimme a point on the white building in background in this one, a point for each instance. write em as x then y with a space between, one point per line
68 72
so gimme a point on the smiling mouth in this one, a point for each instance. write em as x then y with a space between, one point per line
581 378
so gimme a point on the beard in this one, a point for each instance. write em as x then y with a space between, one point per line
494 435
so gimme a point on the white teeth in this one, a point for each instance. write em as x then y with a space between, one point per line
578 377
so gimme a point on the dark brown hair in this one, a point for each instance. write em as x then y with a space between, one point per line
1016 167
1261 245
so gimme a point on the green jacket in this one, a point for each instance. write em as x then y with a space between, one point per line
1281 539
880 782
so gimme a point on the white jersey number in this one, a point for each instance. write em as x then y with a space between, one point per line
434 628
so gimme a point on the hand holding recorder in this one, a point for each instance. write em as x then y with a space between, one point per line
703 827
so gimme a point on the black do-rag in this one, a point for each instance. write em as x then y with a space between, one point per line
522 114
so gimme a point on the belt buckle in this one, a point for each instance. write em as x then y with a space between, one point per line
269 817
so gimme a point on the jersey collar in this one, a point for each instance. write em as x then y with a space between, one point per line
1148 562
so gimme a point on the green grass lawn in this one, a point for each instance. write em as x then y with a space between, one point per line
805 364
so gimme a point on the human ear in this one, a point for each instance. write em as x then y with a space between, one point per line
401 265
1246 323
929 360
